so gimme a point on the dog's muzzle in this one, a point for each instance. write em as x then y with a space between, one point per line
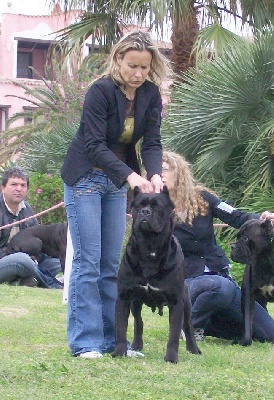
144 214
240 253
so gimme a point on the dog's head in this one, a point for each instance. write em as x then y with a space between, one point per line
254 237
151 212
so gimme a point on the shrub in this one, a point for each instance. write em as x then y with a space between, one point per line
46 191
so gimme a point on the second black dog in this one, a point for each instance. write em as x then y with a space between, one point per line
152 273
255 248
49 239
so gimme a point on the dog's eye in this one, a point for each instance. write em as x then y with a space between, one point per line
245 238
145 202
153 204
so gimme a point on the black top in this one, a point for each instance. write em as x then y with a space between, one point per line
101 125
198 240
6 217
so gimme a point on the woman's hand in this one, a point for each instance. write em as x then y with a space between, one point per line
267 214
155 185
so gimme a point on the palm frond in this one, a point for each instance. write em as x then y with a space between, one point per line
45 151
213 41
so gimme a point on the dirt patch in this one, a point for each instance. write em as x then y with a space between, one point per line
13 311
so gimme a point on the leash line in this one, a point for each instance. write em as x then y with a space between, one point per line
60 205
33 216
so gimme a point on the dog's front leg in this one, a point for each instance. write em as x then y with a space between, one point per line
122 310
175 324
247 304
191 344
136 309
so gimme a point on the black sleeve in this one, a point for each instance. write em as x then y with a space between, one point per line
228 213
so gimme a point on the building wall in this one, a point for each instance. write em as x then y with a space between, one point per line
40 28
28 29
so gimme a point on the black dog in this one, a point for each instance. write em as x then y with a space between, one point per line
152 273
255 248
49 239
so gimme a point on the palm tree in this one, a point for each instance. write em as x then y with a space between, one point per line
222 119
58 108
105 21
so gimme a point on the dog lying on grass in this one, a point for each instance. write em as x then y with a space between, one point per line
255 248
49 239
152 273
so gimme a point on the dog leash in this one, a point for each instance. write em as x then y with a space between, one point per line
62 204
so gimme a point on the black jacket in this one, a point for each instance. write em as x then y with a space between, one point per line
198 240
101 125
7 218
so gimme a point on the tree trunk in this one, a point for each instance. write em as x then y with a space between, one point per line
183 37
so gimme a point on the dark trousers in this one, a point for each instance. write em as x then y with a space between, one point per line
216 307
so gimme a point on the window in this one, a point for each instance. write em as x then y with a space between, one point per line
30 110
24 62
32 58
3 117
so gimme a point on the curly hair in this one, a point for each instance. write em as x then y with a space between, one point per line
138 40
187 190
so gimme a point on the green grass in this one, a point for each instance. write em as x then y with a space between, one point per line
36 363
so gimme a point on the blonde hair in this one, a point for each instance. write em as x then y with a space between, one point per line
186 193
140 41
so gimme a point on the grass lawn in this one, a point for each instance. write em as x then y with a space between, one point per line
36 363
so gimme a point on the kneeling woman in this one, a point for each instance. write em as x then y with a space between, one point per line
215 298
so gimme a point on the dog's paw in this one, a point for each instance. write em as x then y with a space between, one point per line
118 354
171 361
194 350
171 356
137 345
245 342
119 351
242 342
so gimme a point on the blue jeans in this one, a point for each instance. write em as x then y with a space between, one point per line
216 307
21 265
228 323
96 212
208 294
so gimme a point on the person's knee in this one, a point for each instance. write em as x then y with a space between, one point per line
15 266
203 285
18 258
214 290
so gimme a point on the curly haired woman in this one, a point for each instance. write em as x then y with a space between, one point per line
215 298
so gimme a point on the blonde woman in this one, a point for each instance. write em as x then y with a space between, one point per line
120 108
215 298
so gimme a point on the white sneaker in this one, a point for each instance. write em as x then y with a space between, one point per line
91 354
183 335
133 353
199 334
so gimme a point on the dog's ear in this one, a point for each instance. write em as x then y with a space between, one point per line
136 191
166 192
268 228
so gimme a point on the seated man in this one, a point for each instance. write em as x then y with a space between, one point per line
20 268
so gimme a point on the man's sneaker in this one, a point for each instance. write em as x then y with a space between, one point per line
133 353
28 281
91 354
199 334
183 335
